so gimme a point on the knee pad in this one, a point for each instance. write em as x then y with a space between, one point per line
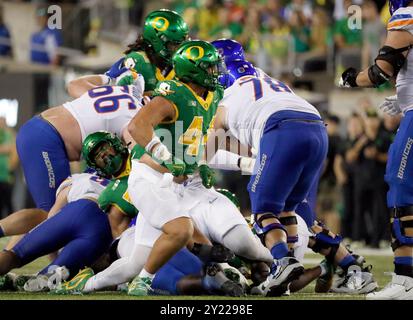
289 221
398 227
262 231
323 240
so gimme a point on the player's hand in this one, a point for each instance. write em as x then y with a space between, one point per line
348 78
390 106
246 164
128 77
207 176
176 166
116 69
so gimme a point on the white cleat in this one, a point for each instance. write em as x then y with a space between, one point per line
400 288
277 283
356 281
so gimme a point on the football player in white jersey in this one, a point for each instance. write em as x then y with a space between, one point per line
395 60
48 141
291 140
77 224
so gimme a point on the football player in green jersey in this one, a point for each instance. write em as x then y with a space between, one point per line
150 55
182 111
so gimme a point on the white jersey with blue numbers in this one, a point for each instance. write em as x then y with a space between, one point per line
402 19
83 185
108 108
250 101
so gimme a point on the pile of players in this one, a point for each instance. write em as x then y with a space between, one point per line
145 217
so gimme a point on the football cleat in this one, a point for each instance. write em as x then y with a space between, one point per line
234 275
324 282
48 281
76 284
283 271
356 281
140 286
400 288
217 279
6 282
20 280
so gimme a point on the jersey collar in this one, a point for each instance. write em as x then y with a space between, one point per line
127 170
160 77
204 103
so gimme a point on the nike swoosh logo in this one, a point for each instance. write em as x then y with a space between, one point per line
213 200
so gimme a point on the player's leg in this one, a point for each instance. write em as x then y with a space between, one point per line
51 235
164 208
399 177
133 249
21 222
283 158
91 237
44 160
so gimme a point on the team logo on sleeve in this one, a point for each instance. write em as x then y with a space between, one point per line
130 63
165 89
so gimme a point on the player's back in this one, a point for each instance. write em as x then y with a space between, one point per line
83 185
402 19
250 101
107 108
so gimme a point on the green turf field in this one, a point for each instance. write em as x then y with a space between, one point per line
381 261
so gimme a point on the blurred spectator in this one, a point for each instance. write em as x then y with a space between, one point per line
355 130
369 155
300 31
329 194
7 150
44 44
374 33
5 46
344 37
320 34
207 19
303 6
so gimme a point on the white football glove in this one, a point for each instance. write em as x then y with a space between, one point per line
390 106
246 165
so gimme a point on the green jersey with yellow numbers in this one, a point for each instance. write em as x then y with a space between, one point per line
116 194
194 116
138 61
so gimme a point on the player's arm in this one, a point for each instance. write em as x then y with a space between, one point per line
118 221
387 64
141 127
61 201
79 86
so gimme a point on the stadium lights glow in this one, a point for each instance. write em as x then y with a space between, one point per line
9 109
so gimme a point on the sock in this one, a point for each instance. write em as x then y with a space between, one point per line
403 260
1 232
347 261
90 285
403 266
279 250
323 269
146 274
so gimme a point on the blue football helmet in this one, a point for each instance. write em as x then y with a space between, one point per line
229 49
240 68
396 4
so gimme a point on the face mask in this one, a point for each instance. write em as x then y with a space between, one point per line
113 163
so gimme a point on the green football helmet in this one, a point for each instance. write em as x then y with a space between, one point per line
231 196
112 163
199 62
163 31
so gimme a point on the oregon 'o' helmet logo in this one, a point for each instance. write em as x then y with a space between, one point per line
160 23
194 53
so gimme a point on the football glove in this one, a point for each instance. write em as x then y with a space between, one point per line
176 166
116 69
207 176
390 106
348 78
